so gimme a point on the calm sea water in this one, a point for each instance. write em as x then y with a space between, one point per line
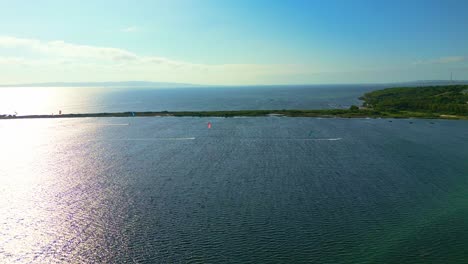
93 100
248 190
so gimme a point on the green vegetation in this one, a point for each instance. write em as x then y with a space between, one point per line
433 100
354 108
291 113
448 102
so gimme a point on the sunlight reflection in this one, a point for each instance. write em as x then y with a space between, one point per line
46 100
48 188
27 100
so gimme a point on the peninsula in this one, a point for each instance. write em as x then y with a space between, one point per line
431 102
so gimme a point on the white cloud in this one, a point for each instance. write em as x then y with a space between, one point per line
83 53
443 60
13 61
91 63
130 29
64 49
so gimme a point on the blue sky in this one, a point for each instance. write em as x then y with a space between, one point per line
233 42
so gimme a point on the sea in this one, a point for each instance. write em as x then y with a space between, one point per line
52 100
246 190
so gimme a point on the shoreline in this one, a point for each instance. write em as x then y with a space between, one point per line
433 102
323 113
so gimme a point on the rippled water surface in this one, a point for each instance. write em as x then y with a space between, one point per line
248 190
43 100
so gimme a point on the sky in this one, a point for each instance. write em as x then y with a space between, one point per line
238 42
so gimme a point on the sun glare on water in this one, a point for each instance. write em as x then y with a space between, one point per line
46 100
27 100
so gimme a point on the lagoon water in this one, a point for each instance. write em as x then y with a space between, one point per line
248 190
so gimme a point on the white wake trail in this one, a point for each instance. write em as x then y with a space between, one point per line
144 139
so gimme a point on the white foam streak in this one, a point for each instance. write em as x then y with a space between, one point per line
144 139
325 139
110 124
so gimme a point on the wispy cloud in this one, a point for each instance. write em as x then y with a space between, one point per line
82 53
68 50
107 63
443 60
130 29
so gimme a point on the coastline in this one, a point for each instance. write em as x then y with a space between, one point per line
323 113
433 102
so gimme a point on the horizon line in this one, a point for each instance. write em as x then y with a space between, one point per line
147 84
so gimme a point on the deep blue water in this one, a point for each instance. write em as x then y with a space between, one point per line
248 190
38 100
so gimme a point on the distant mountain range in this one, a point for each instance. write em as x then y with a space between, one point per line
144 84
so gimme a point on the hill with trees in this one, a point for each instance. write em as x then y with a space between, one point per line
442 100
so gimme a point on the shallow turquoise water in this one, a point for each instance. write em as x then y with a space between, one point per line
248 190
